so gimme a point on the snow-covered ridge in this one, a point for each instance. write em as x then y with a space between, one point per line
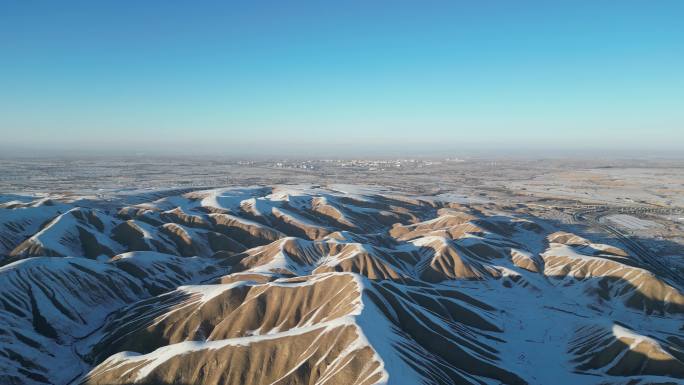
329 285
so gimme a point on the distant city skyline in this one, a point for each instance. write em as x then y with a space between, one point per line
342 78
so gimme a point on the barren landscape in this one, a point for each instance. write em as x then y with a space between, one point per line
342 192
408 271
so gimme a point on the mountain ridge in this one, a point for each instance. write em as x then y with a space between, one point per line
313 285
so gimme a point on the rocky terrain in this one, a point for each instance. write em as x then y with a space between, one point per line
324 285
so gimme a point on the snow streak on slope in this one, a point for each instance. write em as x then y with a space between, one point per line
314 285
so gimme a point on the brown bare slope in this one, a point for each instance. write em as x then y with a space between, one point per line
315 285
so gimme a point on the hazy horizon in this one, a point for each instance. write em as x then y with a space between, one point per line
348 150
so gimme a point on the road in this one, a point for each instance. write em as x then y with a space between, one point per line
647 257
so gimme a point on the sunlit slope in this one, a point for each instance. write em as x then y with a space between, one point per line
312 285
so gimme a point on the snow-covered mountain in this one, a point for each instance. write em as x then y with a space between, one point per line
312 285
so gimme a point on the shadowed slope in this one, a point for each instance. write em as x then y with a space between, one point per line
312 285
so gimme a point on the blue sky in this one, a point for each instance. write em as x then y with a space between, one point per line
254 76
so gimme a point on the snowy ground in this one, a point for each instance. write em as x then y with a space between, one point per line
631 222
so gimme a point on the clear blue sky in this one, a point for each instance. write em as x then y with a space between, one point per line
247 75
